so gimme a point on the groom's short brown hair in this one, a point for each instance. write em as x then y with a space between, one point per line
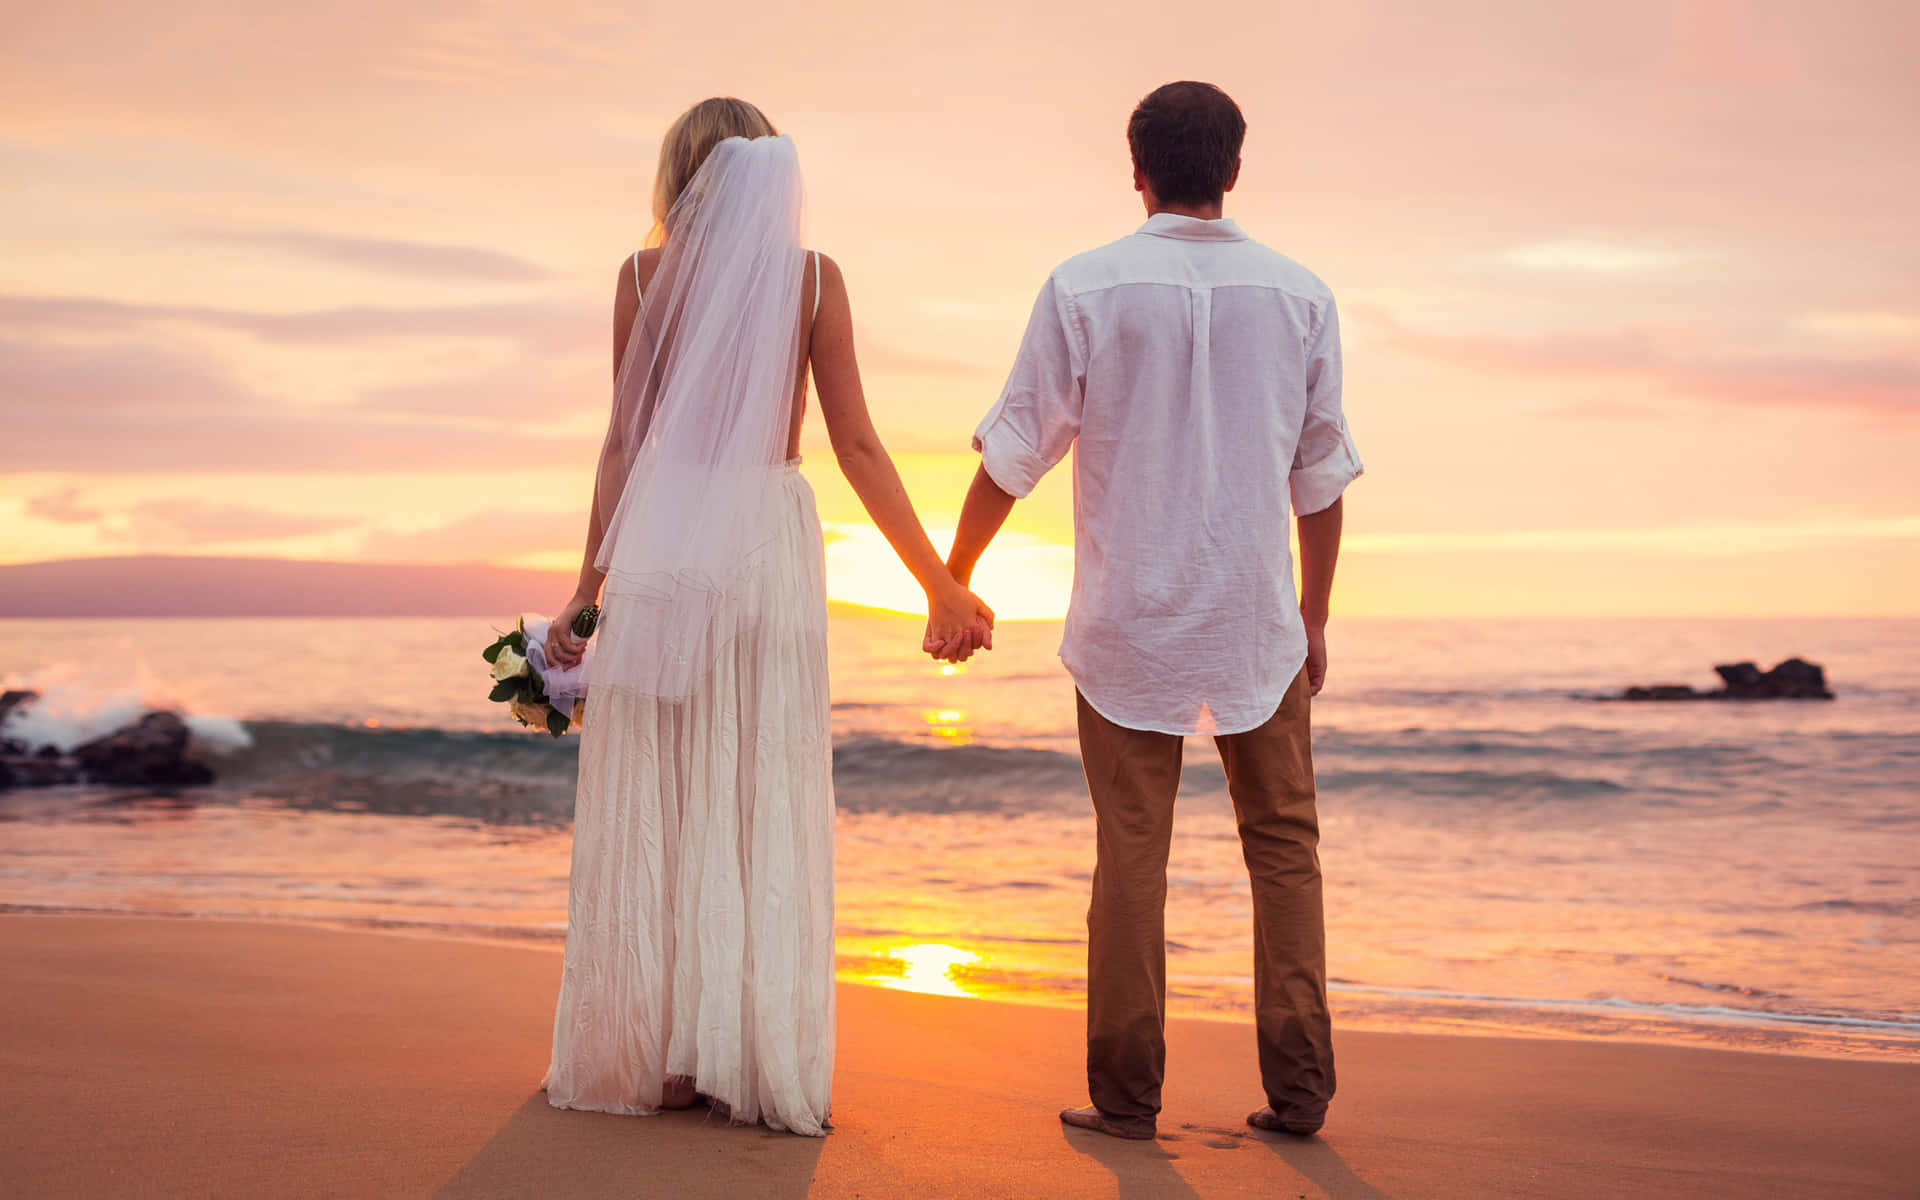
1185 139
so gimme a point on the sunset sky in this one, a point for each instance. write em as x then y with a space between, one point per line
1631 292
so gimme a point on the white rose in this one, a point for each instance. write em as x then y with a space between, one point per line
529 713
509 665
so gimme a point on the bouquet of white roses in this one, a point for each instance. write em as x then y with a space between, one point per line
538 695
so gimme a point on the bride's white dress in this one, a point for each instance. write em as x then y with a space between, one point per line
700 921
700 917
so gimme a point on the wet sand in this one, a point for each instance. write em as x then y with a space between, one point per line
148 1056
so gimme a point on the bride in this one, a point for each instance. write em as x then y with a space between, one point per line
699 959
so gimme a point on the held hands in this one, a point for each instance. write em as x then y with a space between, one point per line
958 623
563 649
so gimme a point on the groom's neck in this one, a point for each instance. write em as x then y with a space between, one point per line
1204 212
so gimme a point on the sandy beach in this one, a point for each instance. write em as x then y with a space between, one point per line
147 1056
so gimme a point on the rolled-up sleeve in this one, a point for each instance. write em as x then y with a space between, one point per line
1325 460
1034 423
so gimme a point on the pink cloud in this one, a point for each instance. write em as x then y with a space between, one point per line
521 393
129 407
483 537
548 326
413 260
1681 359
64 507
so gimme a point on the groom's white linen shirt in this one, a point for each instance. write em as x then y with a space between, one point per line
1198 373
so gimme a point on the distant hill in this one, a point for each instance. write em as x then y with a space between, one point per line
161 586
169 586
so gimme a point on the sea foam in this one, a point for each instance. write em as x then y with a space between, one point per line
77 705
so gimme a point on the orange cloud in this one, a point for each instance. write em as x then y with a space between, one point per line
182 521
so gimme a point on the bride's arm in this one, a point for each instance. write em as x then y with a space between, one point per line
563 649
952 609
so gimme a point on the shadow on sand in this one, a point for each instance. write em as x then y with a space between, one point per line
542 1150
1143 1169
1146 1171
1321 1164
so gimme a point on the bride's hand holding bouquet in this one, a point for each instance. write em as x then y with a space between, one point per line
572 626
538 668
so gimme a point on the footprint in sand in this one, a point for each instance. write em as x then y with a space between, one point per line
1222 1139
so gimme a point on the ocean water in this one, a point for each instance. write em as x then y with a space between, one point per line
1505 849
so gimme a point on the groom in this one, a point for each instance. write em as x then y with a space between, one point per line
1199 374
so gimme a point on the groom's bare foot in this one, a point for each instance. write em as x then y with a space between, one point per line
1092 1118
678 1093
1299 1124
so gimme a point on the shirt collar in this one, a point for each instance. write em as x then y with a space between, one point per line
1192 229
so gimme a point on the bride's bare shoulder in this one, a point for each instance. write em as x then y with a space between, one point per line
830 278
637 268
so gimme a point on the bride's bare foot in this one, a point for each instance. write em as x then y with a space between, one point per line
678 1093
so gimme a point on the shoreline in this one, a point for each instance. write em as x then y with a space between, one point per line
261 1058
1635 1024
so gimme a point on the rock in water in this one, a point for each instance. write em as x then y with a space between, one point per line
9 703
1665 691
1794 679
151 751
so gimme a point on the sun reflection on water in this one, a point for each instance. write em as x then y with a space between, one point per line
949 724
929 969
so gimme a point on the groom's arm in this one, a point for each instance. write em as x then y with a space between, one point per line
1324 463
1319 553
981 517
1030 429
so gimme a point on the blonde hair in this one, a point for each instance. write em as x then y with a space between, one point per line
691 137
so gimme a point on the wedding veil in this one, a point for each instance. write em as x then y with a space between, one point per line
690 472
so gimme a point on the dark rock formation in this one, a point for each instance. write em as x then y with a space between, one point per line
8 702
152 752
1664 691
38 770
1794 679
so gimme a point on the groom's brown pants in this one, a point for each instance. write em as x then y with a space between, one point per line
1133 776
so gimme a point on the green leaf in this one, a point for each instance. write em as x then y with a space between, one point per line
517 640
505 690
557 724
493 652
